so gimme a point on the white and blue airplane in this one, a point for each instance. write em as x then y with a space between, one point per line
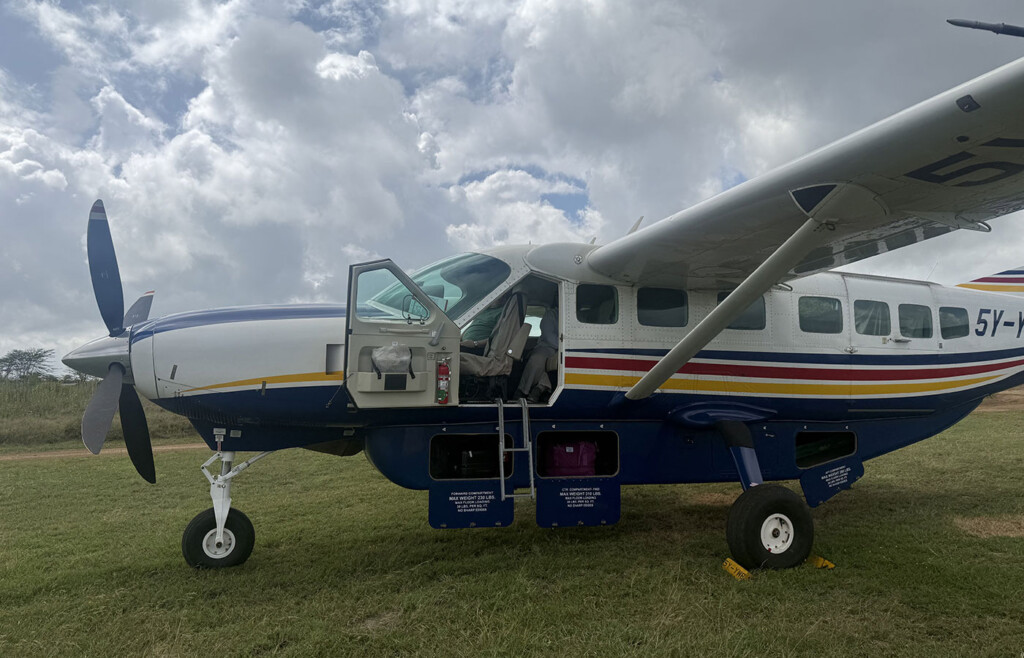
712 346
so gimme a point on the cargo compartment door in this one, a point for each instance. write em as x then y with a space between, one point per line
399 342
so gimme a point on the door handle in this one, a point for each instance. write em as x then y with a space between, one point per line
899 339
404 332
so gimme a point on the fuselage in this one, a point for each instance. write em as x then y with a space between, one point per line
895 360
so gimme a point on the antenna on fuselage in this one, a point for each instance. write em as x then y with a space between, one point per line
998 28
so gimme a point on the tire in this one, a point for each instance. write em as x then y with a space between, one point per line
770 527
197 542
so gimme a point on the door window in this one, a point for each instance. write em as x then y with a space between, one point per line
381 296
915 321
871 318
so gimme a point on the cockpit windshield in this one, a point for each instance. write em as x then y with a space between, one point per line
455 284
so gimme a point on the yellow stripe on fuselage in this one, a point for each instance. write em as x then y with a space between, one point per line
778 388
303 378
993 287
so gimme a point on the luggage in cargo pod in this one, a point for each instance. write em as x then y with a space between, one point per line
578 478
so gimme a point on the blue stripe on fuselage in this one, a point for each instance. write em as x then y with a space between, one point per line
235 314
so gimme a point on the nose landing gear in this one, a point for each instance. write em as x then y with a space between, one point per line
220 536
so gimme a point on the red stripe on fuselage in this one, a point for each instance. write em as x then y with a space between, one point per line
782 372
1000 279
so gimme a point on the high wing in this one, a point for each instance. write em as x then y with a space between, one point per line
950 162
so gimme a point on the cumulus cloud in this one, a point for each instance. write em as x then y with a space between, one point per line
248 151
507 207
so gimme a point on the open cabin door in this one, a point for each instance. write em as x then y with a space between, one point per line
399 342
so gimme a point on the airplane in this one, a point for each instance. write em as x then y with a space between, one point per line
716 345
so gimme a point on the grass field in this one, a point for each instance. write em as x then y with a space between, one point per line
929 548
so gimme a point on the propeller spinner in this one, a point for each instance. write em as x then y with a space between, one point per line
109 357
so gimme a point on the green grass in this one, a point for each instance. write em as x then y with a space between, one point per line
345 564
42 415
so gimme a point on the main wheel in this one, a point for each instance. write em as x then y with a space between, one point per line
770 527
199 542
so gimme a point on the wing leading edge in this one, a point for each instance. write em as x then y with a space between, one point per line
953 161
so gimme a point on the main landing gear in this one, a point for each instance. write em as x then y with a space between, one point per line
769 527
220 536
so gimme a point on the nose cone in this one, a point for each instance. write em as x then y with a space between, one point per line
94 358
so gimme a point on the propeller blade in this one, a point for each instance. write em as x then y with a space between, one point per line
99 415
136 433
106 278
139 312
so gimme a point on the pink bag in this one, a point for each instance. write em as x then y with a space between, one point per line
572 459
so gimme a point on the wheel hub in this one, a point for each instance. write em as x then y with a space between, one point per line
777 533
215 550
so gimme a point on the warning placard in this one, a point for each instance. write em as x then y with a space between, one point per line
577 501
823 482
461 504
468 502
580 497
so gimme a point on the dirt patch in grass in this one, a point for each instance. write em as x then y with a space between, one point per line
1008 400
63 454
987 527
382 621
713 499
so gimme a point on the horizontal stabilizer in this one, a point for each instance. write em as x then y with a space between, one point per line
1010 282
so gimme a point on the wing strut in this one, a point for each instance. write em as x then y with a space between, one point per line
785 258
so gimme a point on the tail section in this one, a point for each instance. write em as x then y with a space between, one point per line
1010 282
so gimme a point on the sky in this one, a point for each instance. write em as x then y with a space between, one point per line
248 151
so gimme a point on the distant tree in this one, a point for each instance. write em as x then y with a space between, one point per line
6 365
74 377
21 364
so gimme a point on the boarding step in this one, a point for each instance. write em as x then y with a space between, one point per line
503 450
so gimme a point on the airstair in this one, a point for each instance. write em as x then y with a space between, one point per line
503 450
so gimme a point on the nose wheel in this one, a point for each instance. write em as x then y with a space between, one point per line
202 549
770 527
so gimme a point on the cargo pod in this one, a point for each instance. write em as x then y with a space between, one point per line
401 350
578 478
465 490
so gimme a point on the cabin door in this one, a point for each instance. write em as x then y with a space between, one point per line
894 332
401 349
892 319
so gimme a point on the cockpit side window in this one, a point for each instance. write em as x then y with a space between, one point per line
455 284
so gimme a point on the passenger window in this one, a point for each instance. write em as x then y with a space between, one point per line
661 307
752 319
820 315
597 304
915 321
953 322
871 318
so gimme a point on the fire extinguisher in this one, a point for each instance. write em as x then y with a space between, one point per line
444 378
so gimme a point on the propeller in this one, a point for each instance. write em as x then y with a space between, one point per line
112 354
106 278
